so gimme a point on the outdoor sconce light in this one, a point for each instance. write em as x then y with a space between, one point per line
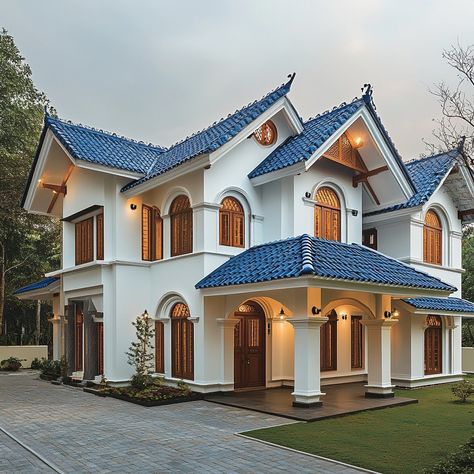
395 313
307 194
387 314
315 310
281 314
354 212
343 316
133 206
358 143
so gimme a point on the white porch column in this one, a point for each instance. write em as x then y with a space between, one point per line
307 391
379 383
227 349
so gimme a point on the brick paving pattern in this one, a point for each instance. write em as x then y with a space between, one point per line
79 432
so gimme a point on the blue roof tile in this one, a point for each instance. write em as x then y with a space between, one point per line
426 174
302 146
104 148
38 285
451 304
212 138
305 255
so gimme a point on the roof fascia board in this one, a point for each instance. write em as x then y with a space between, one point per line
419 311
325 283
297 168
38 169
391 215
193 164
47 292
279 105
468 178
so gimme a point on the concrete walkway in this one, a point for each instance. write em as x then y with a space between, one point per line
79 432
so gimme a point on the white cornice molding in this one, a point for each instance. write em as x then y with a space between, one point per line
415 261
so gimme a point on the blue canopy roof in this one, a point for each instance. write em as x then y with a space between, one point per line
426 173
104 148
306 255
38 285
451 304
214 137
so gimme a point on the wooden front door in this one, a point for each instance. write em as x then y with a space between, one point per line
78 338
249 347
433 346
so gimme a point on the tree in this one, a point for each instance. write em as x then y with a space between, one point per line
29 244
140 353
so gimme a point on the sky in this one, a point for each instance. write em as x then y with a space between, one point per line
158 71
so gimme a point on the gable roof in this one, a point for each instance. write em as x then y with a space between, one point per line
451 304
319 129
103 148
213 137
426 173
37 285
302 146
305 255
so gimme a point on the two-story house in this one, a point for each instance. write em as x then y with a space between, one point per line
268 251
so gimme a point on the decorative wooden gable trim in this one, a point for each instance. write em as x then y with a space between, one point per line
344 153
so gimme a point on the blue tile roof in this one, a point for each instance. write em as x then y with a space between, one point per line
305 255
302 146
212 138
426 174
451 304
104 148
38 285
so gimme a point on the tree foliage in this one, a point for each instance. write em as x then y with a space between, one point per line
29 244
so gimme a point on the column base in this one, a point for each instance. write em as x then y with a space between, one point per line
379 392
307 400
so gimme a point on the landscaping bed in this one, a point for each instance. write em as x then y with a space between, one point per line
155 394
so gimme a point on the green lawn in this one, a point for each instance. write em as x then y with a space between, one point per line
393 440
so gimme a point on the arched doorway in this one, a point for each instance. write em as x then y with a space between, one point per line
249 346
433 345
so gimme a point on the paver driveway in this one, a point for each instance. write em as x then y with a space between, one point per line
79 432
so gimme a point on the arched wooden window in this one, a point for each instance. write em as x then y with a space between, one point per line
266 134
327 214
328 343
181 216
433 345
182 342
432 238
231 223
152 233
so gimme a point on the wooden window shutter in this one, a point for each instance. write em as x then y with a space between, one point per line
181 217
432 239
158 235
182 342
84 241
146 232
231 223
327 215
328 343
159 347
100 348
100 236
224 227
357 332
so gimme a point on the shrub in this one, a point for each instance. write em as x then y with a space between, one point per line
37 364
12 364
463 390
141 381
461 461
51 369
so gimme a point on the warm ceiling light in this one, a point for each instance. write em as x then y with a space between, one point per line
358 142
40 180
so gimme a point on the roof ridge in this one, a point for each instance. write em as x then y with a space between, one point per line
436 155
307 254
334 109
92 129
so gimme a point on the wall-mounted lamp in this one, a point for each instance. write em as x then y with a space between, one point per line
281 315
343 316
387 314
307 194
354 212
395 313
133 206
315 310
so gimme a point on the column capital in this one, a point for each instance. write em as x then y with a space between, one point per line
389 322
227 322
308 322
